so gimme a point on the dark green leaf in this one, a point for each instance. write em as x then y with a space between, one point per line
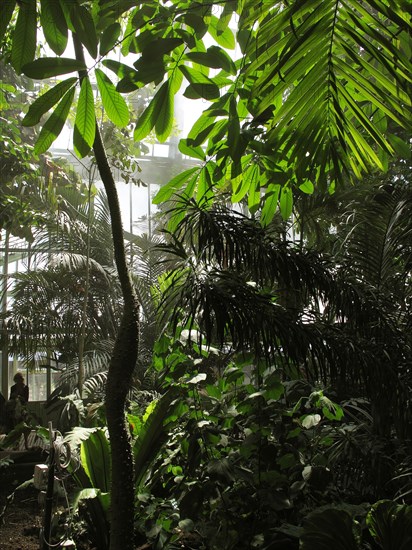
147 120
54 25
84 26
85 123
114 104
164 119
201 84
47 101
328 529
54 123
109 38
215 58
6 11
160 47
47 67
25 35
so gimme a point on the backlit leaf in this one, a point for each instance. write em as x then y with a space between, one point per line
201 84
174 185
46 102
146 121
84 26
113 103
25 34
85 123
164 120
54 25
286 202
270 204
109 38
47 67
54 124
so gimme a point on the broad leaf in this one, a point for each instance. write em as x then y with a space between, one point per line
270 204
113 103
54 25
25 35
200 84
54 124
6 12
215 58
47 67
147 119
85 123
190 151
164 119
84 26
286 202
47 101
224 37
109 38
174 185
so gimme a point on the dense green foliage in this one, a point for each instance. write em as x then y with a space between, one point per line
280 410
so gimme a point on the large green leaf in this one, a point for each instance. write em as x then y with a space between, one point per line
95 459
85 123
54 124
109 38
330 528
46 67
113 103
214 57
147 119
200 84
47 101
54 25
6 12
83 24
391 525
270 204
164 119
25 35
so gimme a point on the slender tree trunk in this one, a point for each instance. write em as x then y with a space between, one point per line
121 366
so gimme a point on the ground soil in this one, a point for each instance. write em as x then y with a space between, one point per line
20 513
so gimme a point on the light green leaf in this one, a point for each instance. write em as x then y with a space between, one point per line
174 185
54 25
114 104
191 151
85 123
25 35
109 38
224 38
6 12
164 120
54 123
247 181
286 202
270 204
47 67
46 102
84 26
307 187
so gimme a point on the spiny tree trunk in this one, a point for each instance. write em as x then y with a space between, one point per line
121 366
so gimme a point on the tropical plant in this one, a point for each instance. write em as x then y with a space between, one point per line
305 103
